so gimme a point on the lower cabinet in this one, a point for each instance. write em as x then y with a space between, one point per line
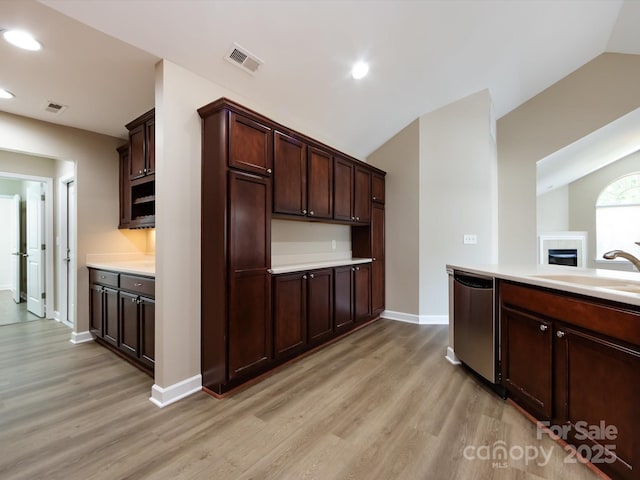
320 306
122 314
575 363
289 314
344 308
362 290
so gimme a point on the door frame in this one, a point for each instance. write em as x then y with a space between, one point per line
63 222
48 234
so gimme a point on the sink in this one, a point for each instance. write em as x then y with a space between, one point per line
620 284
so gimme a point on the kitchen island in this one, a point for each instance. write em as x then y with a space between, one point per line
569 355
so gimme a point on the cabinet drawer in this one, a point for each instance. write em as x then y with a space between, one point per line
142 285
102 277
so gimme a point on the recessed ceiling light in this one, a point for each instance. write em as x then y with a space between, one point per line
360 70
22 39
6 93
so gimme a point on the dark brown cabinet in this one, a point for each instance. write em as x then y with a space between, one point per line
344 309
249 246
302 179
527 360
377 256
142 138
122 314
290 175
250 144
137 174
320 306
343 184
362 195
575 361
377 188
289 314
253 170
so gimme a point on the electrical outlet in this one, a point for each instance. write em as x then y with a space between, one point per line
470 239
333 244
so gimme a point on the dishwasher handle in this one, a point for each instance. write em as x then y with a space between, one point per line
474 282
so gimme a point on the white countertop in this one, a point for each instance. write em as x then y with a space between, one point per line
598 283
298 267
135 264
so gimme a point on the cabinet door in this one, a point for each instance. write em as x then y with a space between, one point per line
362 286
110 312
320 299
125 188
249 243
526 360
250 145
129 336
319 183
362 195
344 315
290 176
377 253
150 148
343 174
147 326
377 188
137 153
289 314
95 310
599 385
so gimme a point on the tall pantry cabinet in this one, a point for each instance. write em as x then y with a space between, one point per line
254 169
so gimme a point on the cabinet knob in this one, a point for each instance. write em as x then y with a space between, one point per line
304 212
353 218
133 300
358 269
357 218
312 275
144 170
269 170
543 328
353 269
560 334
311 212
374 197
138 301
374 259
304 277
139 171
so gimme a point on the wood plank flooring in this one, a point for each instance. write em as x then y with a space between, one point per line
382 403
12 312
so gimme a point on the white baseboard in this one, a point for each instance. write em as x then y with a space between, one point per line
417 319
451 357
5 287
81 337
56 315
161 397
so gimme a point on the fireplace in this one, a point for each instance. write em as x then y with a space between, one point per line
563 248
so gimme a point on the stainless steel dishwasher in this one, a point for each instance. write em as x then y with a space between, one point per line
474 325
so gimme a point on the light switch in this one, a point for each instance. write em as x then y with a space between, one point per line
470 239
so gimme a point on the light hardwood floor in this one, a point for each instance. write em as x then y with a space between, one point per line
12 312
382 403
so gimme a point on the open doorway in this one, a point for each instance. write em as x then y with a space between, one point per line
26 247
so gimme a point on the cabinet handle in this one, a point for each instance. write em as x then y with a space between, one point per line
304 212
268 170
312 276
311 213
560 334
137 284
103 277
543 328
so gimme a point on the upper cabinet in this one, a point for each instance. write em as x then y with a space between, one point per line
343 175
142 142
137 174
362 195
377 188
250 145
302 179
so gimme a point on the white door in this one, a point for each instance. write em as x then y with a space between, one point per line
15 248
35 250
70 251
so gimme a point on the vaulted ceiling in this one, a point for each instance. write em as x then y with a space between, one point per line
99 56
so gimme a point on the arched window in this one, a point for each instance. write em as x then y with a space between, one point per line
618 216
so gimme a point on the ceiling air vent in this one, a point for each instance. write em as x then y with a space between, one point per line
243 59
54 107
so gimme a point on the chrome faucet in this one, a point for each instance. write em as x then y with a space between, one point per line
622 254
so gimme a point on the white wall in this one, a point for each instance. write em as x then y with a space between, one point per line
96 171
552 210
458 185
